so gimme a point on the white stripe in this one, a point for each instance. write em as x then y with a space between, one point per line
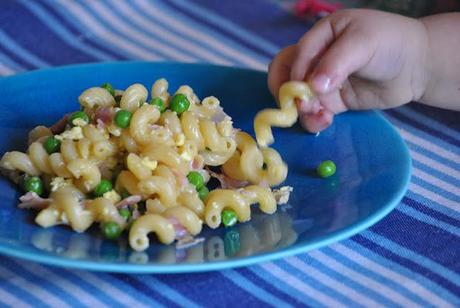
435 181
4 70
115 293
84 297
338 286
134 35
427 194
157 29
300 285
435 164
94 26
12 301
362 279
199 36
28 287
412 285
429 146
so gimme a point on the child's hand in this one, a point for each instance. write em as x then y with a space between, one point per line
355 59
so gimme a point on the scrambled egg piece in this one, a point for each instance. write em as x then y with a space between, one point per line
149 163
79 122
282 195
114 130
113 196
59 182
186 155
76 133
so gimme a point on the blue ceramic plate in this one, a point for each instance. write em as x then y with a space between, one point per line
373 171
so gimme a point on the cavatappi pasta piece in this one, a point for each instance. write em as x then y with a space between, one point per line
95 97
286 116
249 163
160 89
38 133
133 97
150 223
86 172
239 201
141 127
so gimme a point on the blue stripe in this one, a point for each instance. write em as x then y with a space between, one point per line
32 33
145 289
85 6
413 261
13 48
167 291
25 296
436 173
436 189
279 284
449 118
431 154
253 289
176 5
311 281
353 284
245 272
406 210
73 26
427 283
262 18
193 286
395 286
423 208
423 127
10 63
54 25
419 117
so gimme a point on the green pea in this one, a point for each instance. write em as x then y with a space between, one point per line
179 103
33 184
231 242
103 187
78 115
203 193
196 179
326 169
229 217
125 213
159 103
52 145
123 118
109 88
111 230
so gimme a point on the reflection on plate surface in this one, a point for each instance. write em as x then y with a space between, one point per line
373 170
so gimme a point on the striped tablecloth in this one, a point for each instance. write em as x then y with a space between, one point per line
411 258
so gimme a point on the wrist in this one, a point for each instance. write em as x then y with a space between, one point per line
422 71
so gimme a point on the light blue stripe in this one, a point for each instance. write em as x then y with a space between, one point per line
409 211
51 285
229 26
413 256
173 31
84 29
15 48
10 63
166 291
210 32
394 285
433 155
25 296
436 189
277 283
427 121
54 25
436 173
353 284
405 272
253 289
85 6
127 287
423 135
433 205
311 281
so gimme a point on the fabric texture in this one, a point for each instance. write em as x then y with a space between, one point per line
410 258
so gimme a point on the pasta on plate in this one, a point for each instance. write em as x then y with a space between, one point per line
140 165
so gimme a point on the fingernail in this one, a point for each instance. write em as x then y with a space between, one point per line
321 83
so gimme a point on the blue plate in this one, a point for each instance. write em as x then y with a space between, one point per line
373 171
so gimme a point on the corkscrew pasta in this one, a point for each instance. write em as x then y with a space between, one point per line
143 166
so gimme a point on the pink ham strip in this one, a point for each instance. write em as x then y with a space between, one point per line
59 126
33 201
129 201
227 182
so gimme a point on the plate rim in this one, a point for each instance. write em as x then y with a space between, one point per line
127 268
